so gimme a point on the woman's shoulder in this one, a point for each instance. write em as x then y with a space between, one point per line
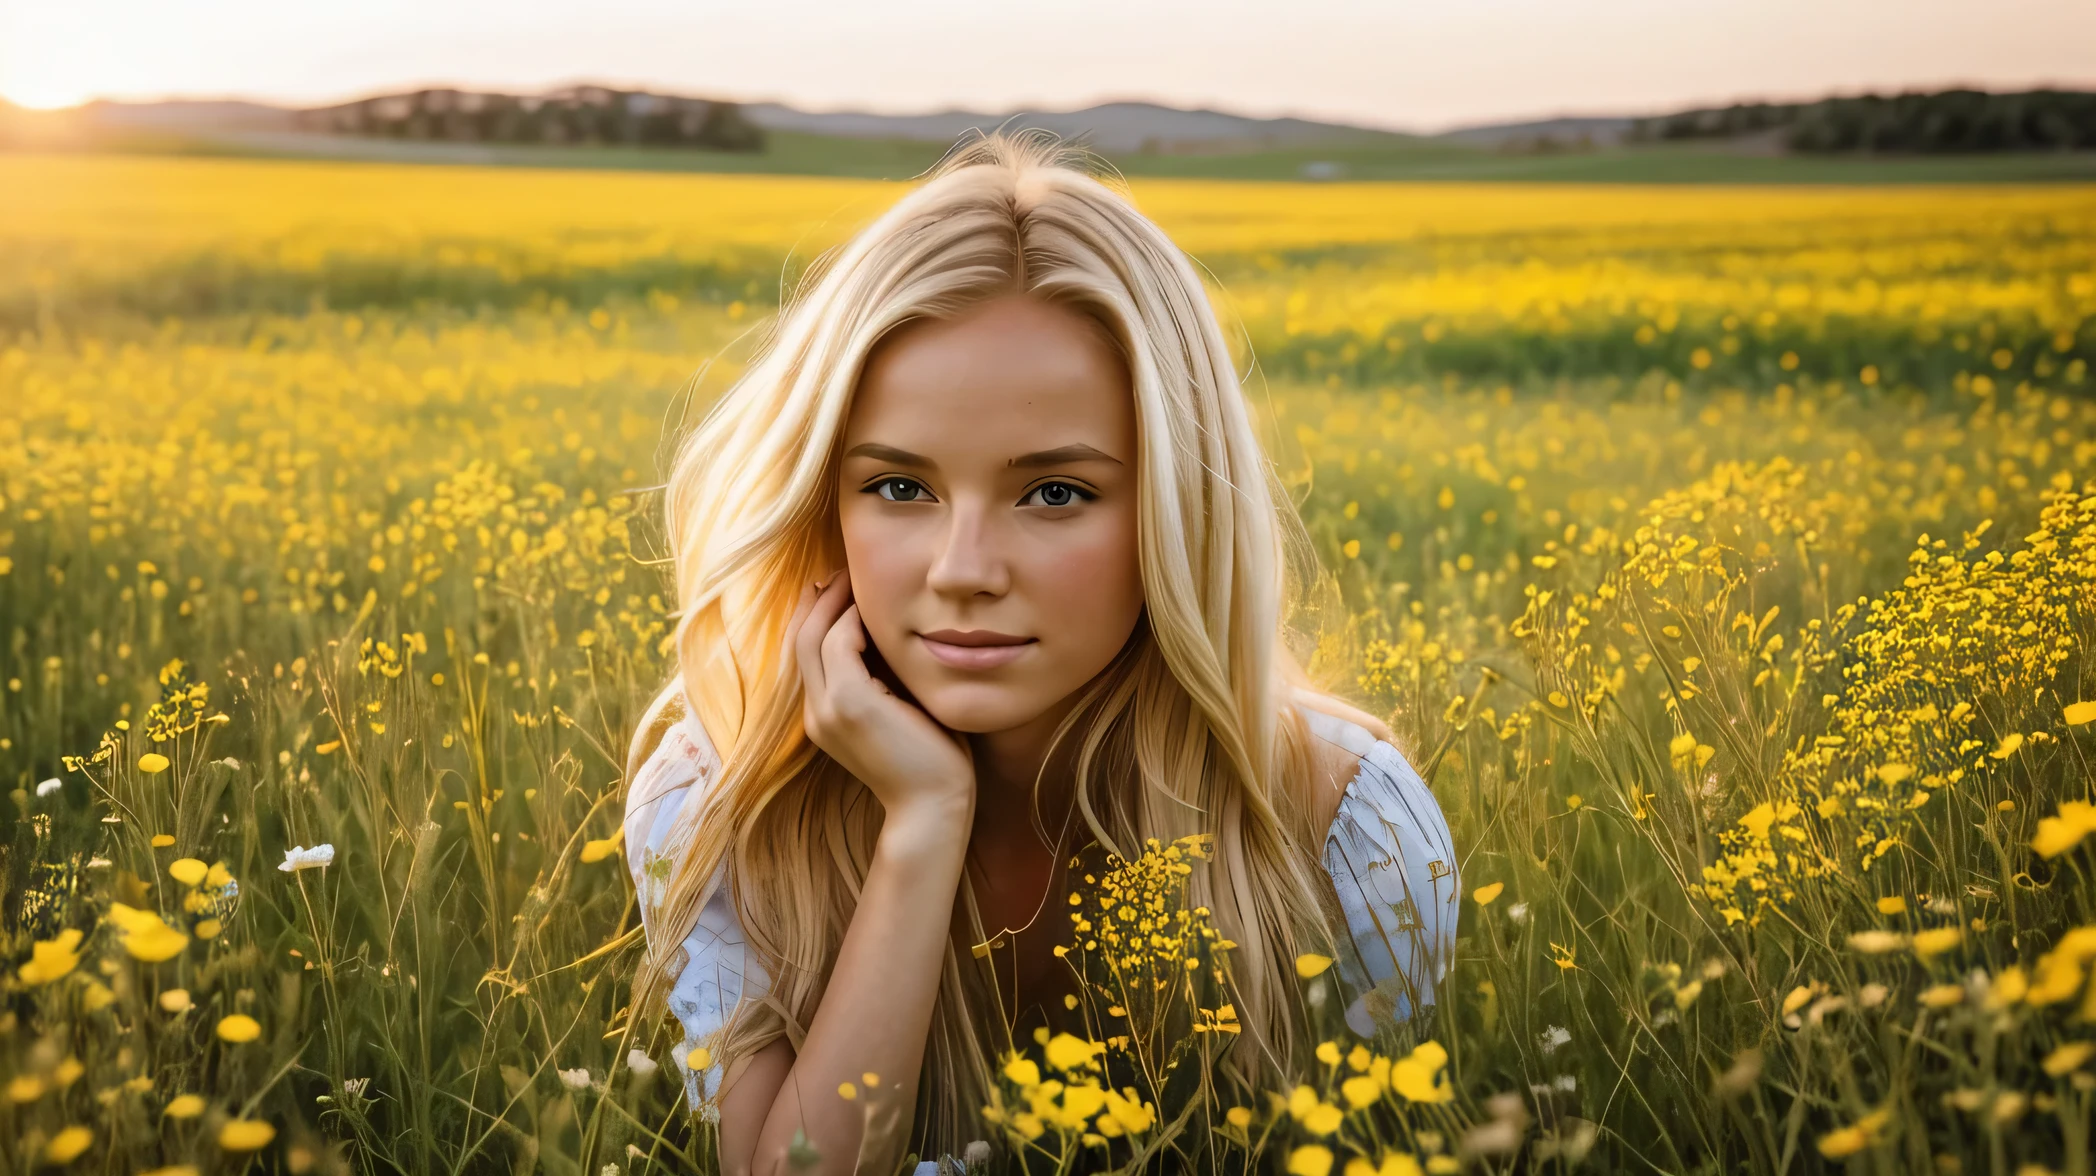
1376 784
1393 867
1344 744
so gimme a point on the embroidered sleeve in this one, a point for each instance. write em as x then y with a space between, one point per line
1394 868
718 971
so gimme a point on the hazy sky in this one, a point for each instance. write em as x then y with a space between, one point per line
1409 64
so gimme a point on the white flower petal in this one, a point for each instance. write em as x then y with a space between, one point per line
298 857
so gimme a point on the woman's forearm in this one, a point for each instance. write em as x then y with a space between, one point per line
877 1006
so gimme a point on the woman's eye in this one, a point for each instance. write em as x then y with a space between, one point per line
1057 494
897 489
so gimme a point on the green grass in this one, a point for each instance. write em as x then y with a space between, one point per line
1368 157
1429 160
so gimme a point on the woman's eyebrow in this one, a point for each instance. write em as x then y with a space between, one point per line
1062 456
890 454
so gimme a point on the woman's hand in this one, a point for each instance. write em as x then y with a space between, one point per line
876 1007
913 765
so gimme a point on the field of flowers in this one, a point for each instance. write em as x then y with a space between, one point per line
1725 558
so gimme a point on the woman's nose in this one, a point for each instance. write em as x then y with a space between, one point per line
969 562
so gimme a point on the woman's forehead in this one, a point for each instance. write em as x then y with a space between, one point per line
1017 374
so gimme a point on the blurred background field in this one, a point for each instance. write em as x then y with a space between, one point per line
1724 555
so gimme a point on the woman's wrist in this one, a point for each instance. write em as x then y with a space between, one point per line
929 822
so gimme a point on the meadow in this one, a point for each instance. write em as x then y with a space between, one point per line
1724 557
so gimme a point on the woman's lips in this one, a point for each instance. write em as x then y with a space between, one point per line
976 649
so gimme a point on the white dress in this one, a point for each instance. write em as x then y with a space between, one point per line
1388 853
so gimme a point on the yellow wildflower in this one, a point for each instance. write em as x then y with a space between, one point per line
597 851
1856 1136
2007 988
1417 1076
1310 1160
1323 1119
2067 1057
51 958
66 1146
1067 1053
1360 1091
146 936
2058 834
245 1135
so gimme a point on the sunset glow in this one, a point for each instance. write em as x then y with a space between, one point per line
1404 66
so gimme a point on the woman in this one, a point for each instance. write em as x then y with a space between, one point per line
979 562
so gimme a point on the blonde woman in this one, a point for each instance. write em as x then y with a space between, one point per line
981 561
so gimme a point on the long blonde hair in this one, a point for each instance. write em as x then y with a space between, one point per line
1190 729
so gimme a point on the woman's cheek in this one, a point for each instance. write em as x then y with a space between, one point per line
883 558
1091 590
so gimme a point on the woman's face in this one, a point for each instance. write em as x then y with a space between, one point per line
987 502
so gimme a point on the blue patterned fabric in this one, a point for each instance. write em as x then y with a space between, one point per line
1388 853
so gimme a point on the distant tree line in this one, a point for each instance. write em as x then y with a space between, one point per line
1946 122
577 115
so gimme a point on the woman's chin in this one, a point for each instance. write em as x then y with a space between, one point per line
979 708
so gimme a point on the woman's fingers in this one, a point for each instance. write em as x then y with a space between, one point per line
843 649
821 614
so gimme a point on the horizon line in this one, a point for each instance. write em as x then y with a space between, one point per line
1340 120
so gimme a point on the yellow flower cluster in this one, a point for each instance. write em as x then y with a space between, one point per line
1134 921
1961 646
1133 918
1074 1103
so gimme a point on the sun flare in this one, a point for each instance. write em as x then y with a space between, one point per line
38 94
